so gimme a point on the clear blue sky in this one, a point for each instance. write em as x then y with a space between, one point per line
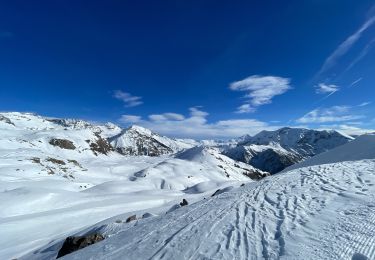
192 68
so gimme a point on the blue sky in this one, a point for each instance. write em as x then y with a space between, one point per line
192 68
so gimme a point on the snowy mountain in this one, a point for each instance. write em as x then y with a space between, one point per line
197 165
272 151
316 212
137 140
58 176
363 147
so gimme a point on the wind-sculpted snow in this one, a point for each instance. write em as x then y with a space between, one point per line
320 212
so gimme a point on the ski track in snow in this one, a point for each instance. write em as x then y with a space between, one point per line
320 212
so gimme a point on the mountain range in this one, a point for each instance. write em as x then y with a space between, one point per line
60 177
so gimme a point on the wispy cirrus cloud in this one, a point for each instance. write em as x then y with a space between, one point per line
128 99
323 88
363 104
345 46
355 82
361 55
260 90
196 125
328 115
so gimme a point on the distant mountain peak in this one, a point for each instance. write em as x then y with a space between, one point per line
140 129
272 151
137 140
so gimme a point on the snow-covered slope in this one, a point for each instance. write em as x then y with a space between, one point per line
319 212
194 166
272 151
137 140
363 147
59 176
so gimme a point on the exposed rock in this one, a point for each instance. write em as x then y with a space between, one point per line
100 145
75 163
6 120
72 243
35 160
131 218
141 141
55 161
184 203
272 161
62 143
72 123
217 192
273 151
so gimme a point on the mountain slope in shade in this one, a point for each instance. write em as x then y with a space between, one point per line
318 212
363 147
272 151
137 140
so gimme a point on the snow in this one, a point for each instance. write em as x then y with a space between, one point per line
323 211
273 151
137 140
319 212
363 147
44 200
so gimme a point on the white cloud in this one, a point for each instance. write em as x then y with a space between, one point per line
345 46
166 116
245 108
326 115
363 104
195 112
128 99
197 126
347 129
126 119
324 88
260 90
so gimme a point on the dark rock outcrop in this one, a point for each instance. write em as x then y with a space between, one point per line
72 243
6 120
62 143
217 192
100 145
184 203
131 218
55 161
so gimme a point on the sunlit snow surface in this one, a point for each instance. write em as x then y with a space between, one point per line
43 201
317 212
323 211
